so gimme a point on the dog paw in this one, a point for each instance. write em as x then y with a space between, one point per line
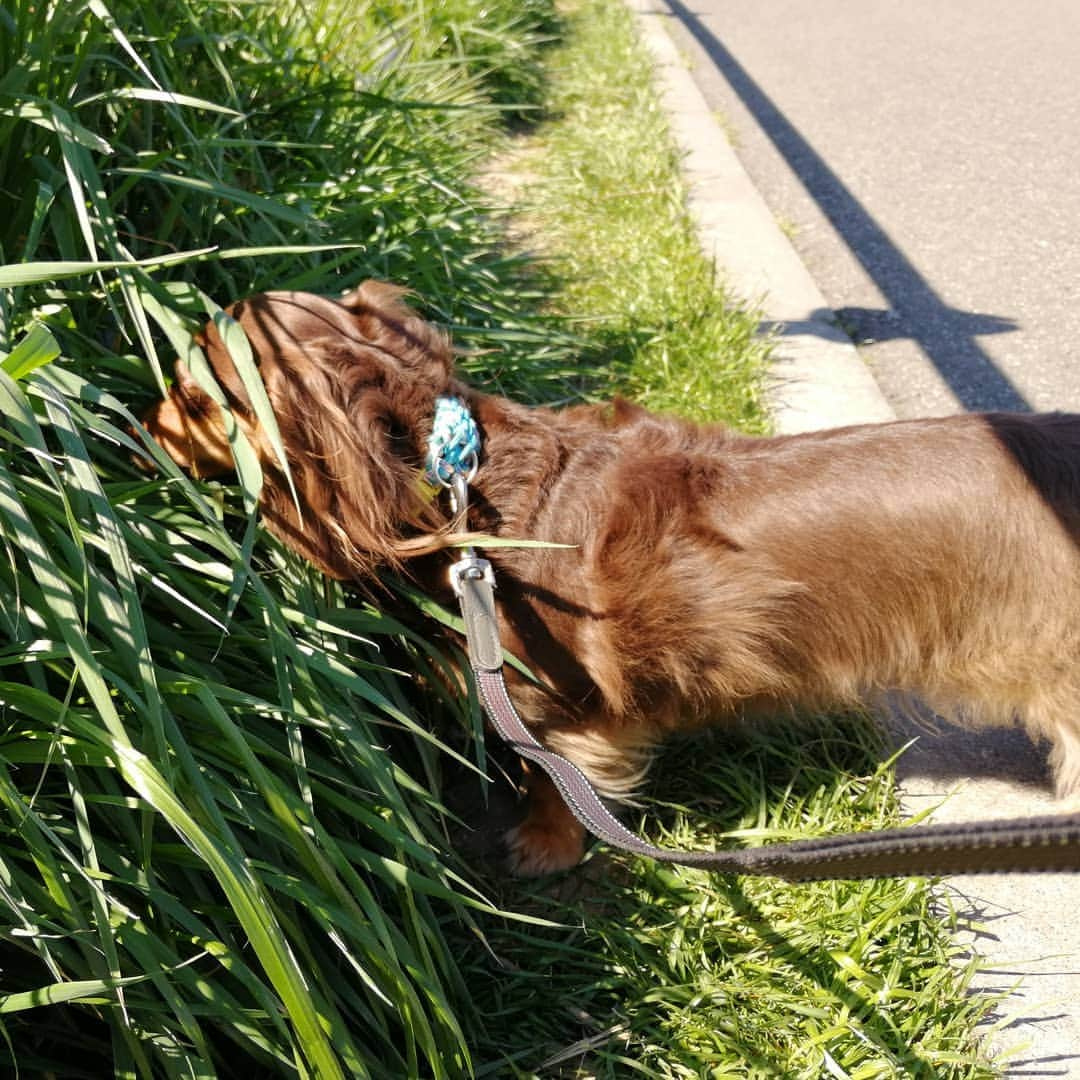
544 847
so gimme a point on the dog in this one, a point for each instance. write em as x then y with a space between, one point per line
705 576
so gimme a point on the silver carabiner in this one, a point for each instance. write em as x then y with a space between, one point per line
458 486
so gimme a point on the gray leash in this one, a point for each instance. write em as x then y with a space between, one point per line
1034 844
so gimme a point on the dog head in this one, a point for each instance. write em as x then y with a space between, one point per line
352 383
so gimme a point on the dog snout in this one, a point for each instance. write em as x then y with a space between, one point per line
194 438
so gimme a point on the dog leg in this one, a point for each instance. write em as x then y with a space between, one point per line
1055 715
614 757
550 838
1065 762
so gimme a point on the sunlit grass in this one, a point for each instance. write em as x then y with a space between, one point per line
221 847
608 211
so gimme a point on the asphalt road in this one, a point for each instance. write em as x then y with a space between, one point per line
925 159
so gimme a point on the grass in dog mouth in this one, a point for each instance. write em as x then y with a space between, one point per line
667 971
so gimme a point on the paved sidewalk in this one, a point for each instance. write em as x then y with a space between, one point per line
1023 925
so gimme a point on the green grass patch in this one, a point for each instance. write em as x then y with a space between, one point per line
669 972
222 850
607 210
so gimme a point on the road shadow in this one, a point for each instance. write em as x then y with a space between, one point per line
915 311
938 749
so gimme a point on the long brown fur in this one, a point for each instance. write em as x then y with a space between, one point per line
712 576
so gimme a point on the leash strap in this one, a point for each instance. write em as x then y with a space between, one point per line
1047 843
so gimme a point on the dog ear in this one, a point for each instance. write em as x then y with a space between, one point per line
383 318
352 418
380 296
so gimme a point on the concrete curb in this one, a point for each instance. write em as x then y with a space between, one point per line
819 380
1021 925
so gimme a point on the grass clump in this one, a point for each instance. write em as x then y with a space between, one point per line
608 209
664 971
221 847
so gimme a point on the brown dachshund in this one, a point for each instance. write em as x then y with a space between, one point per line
710 576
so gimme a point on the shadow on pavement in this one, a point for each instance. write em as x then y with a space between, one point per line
946 336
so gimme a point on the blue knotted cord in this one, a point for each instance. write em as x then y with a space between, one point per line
454 446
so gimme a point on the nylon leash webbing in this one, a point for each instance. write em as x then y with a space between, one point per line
1035 844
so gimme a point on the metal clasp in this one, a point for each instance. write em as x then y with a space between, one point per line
458 487
468 469
470 566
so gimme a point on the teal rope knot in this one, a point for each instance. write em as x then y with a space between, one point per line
454 446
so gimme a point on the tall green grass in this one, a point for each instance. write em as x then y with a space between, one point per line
220 852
